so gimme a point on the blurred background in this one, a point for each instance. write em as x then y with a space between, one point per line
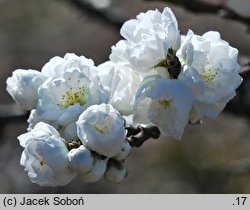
211 158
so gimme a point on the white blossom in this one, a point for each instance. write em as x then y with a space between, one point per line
79 112
210 71
166 103
57 66
101 129
96 173
45 157
116 172
148 39
69 131
122 83
73 86
23 87
81 159
34 119
41 130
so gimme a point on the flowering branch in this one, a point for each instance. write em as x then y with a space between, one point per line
72 99
137 135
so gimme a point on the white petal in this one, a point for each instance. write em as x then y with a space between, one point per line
74 85
169 104
45 157
212 72
101 128
40 131
148 39
125 150
80 159
23 87
96 172
125 83
69 132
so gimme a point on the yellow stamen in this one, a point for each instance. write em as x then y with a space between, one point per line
209 75
164 103
104 128
73 97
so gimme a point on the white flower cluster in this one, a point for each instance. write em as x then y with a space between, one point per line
54 161
88 136
155 75
181 78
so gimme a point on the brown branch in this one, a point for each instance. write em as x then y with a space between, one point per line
200 7
245 68
137 135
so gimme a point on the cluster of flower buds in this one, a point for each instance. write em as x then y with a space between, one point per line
155 76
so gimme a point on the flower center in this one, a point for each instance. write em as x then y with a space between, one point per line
104 127
209 75
164 103
72 97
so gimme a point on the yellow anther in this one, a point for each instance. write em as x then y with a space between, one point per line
71 97
101 129
209 75
164 103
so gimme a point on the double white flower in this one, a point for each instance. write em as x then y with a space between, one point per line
166 103
101 131
101 128
123 84
152 41
210 71
45 156
23 86
71 87
148 40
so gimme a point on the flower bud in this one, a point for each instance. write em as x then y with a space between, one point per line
23 87
96 173
101 129
45 157
80 159
116 172
125 150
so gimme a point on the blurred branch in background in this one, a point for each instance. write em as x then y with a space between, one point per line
231 9
240 105
245 68
103 11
